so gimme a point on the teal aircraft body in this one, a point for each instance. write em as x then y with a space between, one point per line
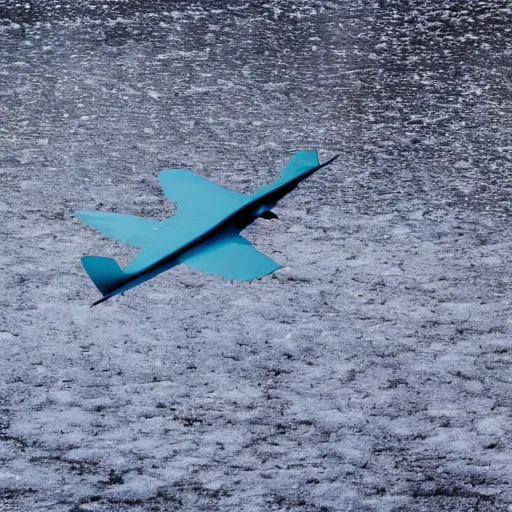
203 234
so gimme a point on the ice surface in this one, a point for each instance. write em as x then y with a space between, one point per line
373 372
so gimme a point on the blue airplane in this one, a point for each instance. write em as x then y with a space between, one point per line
204 233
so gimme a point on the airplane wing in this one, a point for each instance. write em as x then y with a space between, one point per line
231 256
132 230
200 205
198 198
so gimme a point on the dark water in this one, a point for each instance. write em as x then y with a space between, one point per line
415 95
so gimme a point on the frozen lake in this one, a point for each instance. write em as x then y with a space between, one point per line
373 372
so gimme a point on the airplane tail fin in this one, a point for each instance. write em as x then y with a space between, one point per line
300 162
105 273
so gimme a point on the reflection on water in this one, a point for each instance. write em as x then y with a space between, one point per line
416 95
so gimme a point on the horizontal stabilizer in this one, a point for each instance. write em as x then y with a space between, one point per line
131 230
231 256
105 273
301 161
299 165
